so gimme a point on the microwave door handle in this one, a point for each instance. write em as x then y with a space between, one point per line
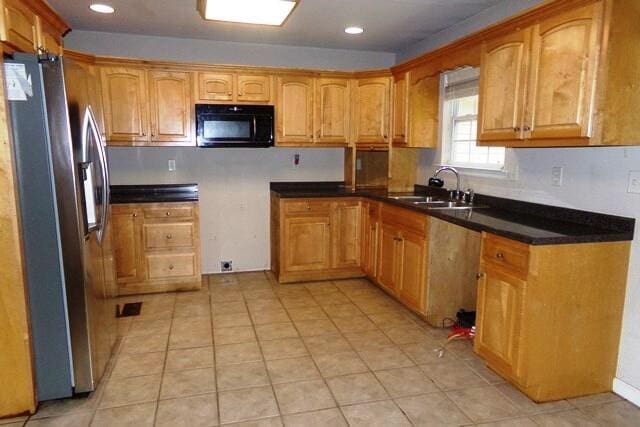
102 155
255 128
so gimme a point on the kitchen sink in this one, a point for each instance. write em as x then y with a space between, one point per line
414 199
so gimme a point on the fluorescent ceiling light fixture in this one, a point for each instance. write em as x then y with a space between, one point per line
262 12
354 30
101 8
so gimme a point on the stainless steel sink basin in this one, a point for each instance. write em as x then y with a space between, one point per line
413 199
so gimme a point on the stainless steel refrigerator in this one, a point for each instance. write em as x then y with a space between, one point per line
63 187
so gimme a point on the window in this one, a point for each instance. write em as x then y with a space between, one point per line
460 124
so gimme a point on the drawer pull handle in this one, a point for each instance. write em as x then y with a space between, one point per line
171 267
500 255
169 237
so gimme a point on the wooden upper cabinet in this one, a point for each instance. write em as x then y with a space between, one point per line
294 110
171 106
253 88
371 112
424 107
499 324
400 109
346 223
124 93
564 61
47 38
19 26
503 77
332 111
215 86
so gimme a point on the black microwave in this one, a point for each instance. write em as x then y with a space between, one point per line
234 125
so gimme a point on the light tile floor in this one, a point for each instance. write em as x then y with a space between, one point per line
246 351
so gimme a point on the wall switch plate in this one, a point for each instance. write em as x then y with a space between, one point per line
557 173
296 161
634 182
226 266
172 165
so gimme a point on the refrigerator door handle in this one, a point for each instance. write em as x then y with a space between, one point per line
102 155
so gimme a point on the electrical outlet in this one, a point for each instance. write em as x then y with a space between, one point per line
172 165
296 161
226 266
557 173
634 182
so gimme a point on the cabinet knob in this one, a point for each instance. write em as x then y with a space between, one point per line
169 237
500 255
230 93
526 128
479 276
168 213
516 129
385 136
135 215
171 267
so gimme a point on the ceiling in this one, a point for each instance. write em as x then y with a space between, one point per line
390 25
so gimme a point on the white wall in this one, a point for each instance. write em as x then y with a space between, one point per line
216 52
234 191
489 16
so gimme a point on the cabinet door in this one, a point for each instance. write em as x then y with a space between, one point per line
19 29
346 234
371 111
47 39
215 87
369 228
389 258
124 94
127 244
294 110
499 322
424 107
254 88
400 108
307 242
332 111
503 73
171 107
564 60
413 271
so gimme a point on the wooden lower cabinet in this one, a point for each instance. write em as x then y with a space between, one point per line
370 238
315 239
549 317
156 247
402 256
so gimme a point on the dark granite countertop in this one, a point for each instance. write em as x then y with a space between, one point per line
530 223
156 193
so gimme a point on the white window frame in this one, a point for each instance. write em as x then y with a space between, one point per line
446 129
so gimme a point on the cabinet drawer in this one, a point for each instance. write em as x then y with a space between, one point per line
303 207
412 221
506 253
171 265
169 212
162 235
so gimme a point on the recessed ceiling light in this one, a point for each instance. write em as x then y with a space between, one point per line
354 30
101 8
261 12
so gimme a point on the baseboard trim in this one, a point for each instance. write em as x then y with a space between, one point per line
627 391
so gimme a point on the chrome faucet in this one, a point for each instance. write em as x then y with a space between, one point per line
458 193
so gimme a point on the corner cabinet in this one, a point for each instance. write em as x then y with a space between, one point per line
157 247
546 321
315 239
371 104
